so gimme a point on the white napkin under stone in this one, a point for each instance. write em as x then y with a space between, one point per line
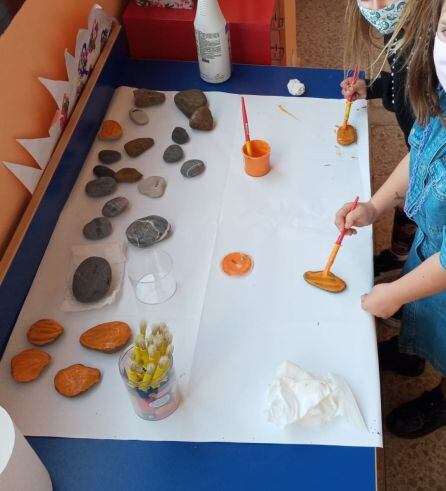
115 254
296 395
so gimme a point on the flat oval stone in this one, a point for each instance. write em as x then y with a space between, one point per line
188 101
180 135
115 206
128 174
202 119
102 186
102 171
98 228
109 156
147 231
146 97
136 147
92 279
110 130
153 186
138 116
173 153
193 168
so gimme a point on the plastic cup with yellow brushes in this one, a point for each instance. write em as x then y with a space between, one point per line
346 134
326 280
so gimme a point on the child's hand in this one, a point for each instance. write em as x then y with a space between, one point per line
382 301
363 215
359 90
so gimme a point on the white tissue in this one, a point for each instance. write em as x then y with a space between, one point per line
296 395
295 87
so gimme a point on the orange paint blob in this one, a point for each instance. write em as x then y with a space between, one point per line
346 135
237 264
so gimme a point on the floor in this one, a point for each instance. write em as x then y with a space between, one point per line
405 464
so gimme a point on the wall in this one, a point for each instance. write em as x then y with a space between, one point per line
33 45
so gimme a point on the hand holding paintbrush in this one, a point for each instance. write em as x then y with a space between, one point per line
346 134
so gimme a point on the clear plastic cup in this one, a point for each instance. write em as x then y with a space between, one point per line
151 275
257 162
159 400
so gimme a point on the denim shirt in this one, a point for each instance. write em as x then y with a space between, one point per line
426 194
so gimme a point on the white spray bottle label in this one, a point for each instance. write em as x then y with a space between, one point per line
213 45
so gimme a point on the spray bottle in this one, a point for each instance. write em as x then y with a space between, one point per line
213 46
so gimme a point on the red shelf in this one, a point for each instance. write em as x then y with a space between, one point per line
168 34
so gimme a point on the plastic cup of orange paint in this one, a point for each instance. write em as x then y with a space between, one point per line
257 162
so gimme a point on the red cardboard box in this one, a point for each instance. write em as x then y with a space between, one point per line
168 34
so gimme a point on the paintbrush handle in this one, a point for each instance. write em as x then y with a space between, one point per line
344 230
350 98
331 259
245 120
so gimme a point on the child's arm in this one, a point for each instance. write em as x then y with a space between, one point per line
390 194
425 280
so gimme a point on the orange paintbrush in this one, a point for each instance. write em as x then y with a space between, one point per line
246 127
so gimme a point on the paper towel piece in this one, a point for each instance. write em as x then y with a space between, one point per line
28 176
296 87
115 254
296 395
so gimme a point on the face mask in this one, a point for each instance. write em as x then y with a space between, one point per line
440 60
384 20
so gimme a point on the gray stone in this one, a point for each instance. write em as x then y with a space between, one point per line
98 228
154 186
136 147
173 153
115 206
102 171
147 231
146 97
180 135
202 119
193 168
188 101
109 156
138 116
128 174
102 186
92 279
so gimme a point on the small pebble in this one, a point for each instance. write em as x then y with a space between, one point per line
102 186
109 156
146 97
202 119
115 206
180 135
188 101
136 147
102 171
138 116
154 186
173 153
193 168
128 174
98 228
147 231
92 279
111 130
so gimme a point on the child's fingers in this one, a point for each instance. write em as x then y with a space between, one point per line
341 214
352 217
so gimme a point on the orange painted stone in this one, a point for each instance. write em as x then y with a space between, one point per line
346 135
111 130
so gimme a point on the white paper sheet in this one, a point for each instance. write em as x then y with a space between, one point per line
230 334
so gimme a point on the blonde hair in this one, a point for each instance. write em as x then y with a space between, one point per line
419 22
361 40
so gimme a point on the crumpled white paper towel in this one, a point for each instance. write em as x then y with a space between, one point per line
295 87
115 254
296 395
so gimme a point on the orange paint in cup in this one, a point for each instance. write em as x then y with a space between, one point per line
257 162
